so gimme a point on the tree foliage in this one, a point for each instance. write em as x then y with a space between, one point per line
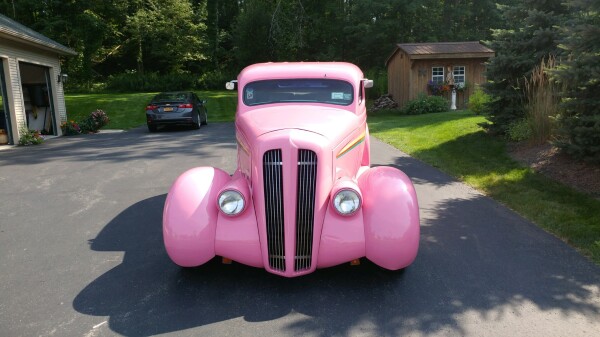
201 43
216 38
580 76
533 36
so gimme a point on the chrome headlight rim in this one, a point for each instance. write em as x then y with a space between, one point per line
239 209
336 204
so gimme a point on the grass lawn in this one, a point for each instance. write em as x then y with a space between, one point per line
453 142
127 110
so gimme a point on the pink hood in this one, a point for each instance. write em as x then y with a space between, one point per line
333 123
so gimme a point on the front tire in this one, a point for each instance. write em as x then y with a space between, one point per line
151 128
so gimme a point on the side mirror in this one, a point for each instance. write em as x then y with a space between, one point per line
368 83
230 85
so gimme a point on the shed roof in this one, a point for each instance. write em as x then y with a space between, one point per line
438 50
13 30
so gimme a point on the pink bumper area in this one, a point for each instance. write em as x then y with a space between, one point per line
385 230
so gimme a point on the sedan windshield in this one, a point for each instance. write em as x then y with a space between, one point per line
298 90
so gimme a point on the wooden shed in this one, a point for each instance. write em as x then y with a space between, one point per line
31 82
413 65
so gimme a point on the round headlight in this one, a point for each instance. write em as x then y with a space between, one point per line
346 202
231 202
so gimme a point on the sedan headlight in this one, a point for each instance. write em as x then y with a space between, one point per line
346 202
231 202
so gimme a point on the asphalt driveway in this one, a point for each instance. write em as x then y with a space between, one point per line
81 254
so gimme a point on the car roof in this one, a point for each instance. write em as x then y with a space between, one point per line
281 70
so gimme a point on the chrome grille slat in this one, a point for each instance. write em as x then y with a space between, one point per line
273 187
307 174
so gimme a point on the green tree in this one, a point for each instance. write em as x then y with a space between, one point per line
169 35
82 25
533 36
325 39
221 17
251 32
580 74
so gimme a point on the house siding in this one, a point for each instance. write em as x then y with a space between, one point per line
399 78
12 53
474 71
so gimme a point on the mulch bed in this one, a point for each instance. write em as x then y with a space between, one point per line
549 161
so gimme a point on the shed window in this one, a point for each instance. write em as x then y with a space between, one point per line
459 74
437 74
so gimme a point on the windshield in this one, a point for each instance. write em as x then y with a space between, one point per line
298 90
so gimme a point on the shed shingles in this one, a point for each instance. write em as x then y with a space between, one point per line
444 48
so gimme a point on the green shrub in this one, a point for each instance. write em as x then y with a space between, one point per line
581 137
519 130
136 82
425 104
214 80
30 137
478 101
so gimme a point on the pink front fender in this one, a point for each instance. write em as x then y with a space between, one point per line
190 216
391 217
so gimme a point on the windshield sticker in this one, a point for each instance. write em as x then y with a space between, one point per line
249 93
347 97
337 95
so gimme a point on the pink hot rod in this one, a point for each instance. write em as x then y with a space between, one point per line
303 195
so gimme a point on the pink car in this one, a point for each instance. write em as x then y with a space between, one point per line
303 195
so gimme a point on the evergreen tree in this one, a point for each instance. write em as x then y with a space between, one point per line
580 74
532 37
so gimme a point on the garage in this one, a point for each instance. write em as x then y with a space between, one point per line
31 82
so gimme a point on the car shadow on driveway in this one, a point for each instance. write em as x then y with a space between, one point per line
463 266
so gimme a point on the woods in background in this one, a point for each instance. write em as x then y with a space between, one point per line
214 39
152 45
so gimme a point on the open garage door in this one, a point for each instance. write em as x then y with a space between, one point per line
37 98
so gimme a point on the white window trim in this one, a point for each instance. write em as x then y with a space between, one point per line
463 75
434 77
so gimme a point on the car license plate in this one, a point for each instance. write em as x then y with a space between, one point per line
167 109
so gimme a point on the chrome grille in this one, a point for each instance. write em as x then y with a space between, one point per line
273 185
305 208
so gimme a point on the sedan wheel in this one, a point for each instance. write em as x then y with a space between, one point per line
151 128
205 122
197 123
